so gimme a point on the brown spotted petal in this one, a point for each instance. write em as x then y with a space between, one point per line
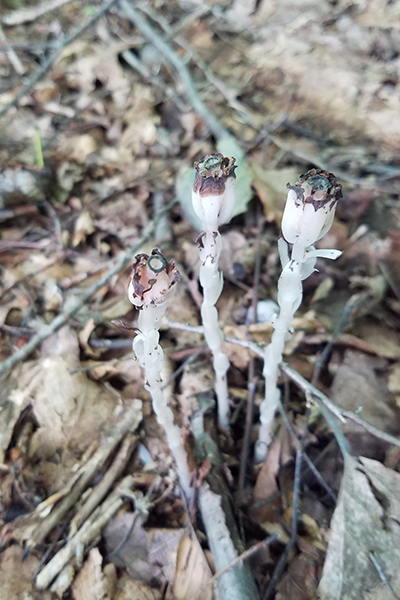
213 195
310 207
152 279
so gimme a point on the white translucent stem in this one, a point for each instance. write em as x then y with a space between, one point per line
289 299
211 281
150 356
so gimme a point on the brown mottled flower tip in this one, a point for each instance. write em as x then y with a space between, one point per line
212 171
213 194
310 207
317 187
152 279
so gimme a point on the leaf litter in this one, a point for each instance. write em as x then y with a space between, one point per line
90 154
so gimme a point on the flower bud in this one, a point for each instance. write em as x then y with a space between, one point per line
310 207
213 194
152 279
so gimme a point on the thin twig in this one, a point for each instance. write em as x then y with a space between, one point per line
297 445
111 344
246 554
180 67
185 364
294 525
89 531
17 17
12 57
106 363
302 383
129 423
110 477
323 357
252 385
172 33
74 304
382 574
321 398
183 326
50 60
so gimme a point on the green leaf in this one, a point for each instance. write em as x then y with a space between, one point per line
183 191
229 147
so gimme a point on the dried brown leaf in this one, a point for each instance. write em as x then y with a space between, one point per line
149 555
266 487
89 583
132 589
16 575
383 340
357 386
192 570
365 527
71 410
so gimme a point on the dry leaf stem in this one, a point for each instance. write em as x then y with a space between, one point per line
99 492
129 423
89 531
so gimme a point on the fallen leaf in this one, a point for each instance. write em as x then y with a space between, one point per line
16 575
271 187
300 582
83 227
131 589
365 524
266 487
356 386
89 584
243 191
192 570
383 340
237 355
71 410
149 555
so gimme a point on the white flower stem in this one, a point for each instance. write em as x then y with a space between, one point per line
290 292
211 280
150 356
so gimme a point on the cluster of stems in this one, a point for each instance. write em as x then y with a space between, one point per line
213 201
308 216
151 282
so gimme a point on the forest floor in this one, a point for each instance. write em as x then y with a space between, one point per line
103 110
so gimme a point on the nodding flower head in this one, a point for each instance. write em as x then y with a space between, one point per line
310 207
152 279
213 194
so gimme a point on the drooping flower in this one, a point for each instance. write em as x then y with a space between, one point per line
310 207
213 194
152 279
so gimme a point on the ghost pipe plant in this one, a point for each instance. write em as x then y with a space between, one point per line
307 217
152 280
213 202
